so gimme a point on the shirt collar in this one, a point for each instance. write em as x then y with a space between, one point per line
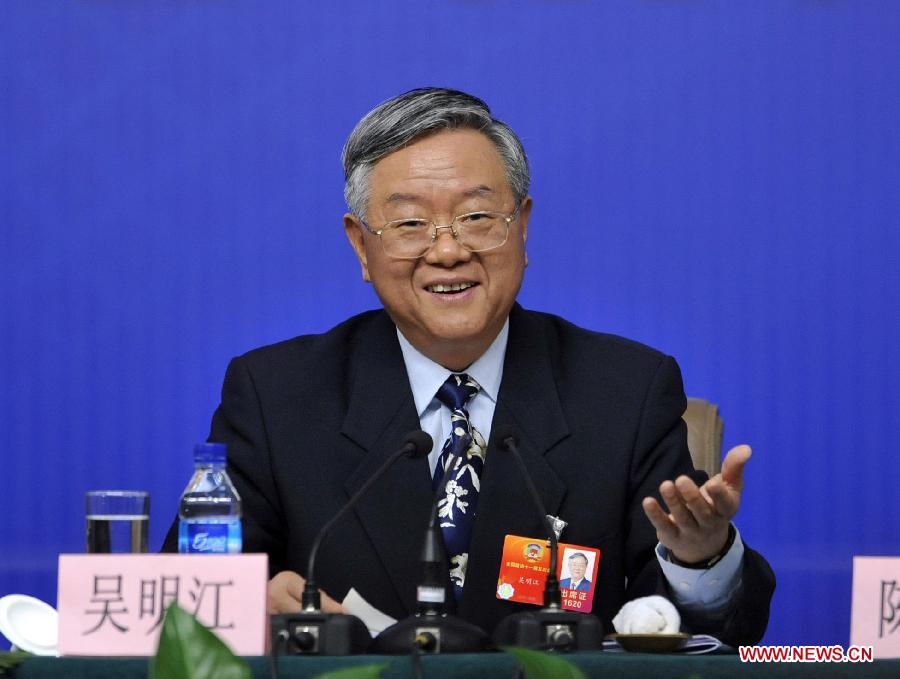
426 376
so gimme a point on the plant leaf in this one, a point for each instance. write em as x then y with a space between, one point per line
541 665
187 650
10 660
372 671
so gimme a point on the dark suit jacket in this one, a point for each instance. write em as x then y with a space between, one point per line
583 586
307 422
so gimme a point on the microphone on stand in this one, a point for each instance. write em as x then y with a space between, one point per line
550 627
316 633
431 630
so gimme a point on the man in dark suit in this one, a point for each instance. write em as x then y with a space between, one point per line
439 212
578 563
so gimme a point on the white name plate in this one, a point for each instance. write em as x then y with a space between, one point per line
113 604
875 613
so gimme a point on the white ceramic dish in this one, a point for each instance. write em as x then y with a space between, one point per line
29 623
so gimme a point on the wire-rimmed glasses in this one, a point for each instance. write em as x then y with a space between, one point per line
475 231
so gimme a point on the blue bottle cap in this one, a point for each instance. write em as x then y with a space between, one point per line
210 453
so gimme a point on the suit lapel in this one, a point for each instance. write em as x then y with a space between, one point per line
380 414
395 511
529 403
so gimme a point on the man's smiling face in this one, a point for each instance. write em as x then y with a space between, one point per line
577 567
451 303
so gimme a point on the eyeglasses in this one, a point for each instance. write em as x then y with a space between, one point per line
475 231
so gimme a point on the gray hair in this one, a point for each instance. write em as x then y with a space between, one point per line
396 122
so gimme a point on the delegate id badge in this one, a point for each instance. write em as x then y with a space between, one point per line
526 562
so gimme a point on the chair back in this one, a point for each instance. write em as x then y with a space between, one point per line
705 429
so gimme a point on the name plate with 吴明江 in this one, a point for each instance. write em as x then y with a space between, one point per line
875 613
113 604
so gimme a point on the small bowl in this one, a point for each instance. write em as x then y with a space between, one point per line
651 643
30 624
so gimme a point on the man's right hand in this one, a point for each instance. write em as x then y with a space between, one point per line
285 591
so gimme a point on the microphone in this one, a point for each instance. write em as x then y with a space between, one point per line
431 630
432 590
311 631
415 444
551 626
506 435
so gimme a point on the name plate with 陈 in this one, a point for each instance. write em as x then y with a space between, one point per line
875 615
113 604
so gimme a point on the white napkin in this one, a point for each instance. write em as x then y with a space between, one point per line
374 619
647 615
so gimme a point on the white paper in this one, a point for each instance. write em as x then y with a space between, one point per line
374 619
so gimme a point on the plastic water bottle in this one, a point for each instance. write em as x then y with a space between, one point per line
210 511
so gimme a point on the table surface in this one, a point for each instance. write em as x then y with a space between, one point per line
480 666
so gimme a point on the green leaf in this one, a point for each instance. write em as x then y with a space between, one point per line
187 650
358 672
541 665
10 660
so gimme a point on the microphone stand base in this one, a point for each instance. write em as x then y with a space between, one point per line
431 634
551 628
317 633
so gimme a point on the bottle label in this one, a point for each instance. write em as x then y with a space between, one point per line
207 538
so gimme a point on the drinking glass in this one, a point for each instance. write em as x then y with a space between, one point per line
117 521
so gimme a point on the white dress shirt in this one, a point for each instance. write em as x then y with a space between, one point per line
426 377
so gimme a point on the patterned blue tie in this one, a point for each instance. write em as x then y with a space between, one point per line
456 510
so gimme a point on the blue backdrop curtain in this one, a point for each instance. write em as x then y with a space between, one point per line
718 179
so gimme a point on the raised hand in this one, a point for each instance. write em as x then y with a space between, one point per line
695 528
